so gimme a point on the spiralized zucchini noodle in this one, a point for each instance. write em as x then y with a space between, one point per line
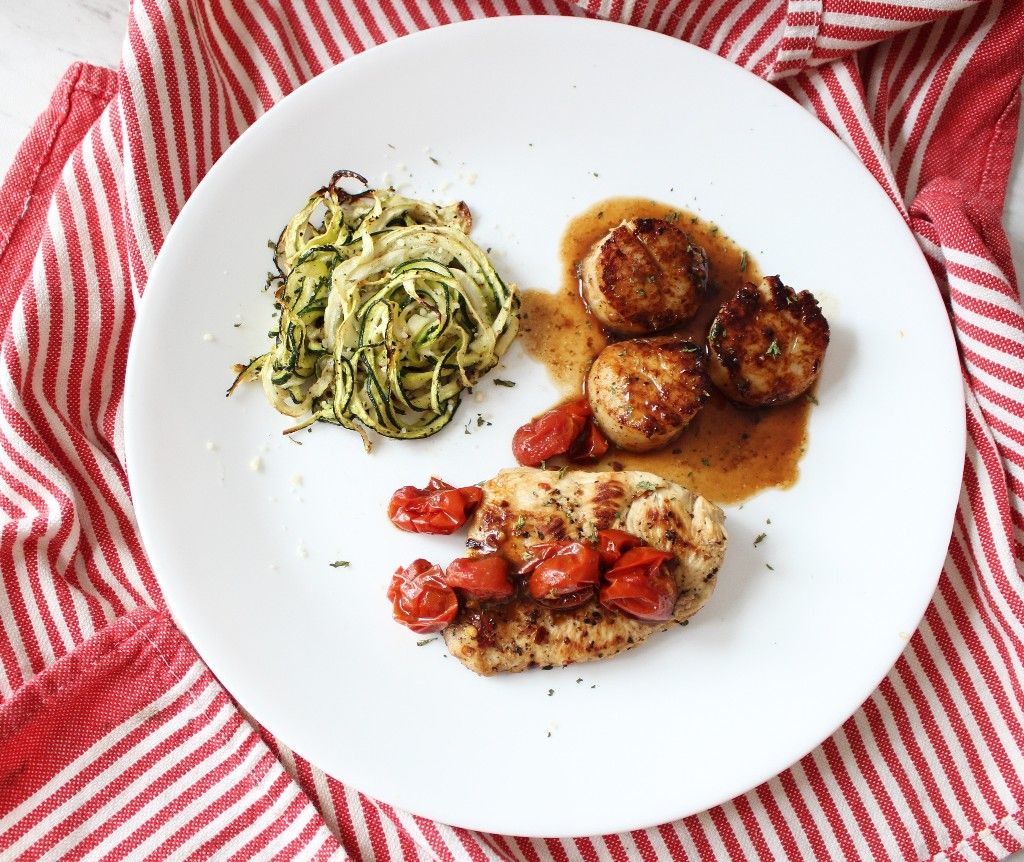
388 312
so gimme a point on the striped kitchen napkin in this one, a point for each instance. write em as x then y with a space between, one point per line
117 742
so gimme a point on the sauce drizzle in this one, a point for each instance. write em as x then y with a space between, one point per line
727 453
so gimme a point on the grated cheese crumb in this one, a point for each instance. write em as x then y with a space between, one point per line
207 336
296 480
256 464
211 446
479 397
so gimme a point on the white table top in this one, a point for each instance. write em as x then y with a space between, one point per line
38 48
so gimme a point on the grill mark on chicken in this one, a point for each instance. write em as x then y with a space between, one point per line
520 634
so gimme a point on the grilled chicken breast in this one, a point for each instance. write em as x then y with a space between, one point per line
644 275
767 343
644 392
523 506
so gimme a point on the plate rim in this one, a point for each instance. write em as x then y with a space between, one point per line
826 137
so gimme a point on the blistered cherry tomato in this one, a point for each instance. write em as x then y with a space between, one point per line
537 554
638 585
551 433
568 577
590 445
439 508
483 578
612 544
420 598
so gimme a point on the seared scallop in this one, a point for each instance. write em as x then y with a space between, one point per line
766 344
644 392
644 275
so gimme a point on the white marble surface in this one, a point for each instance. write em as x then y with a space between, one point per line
41 38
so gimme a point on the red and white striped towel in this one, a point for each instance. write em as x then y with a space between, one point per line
117 742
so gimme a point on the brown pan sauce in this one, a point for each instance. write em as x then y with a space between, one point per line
727 453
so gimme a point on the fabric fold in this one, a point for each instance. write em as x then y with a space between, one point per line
117 741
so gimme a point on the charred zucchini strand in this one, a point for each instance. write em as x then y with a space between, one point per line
387 311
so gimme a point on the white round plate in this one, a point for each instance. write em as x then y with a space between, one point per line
531 120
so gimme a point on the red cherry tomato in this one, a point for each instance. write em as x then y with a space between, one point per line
568 577
638 585
439 508
420 598
612 544
590 445
551 433
538 553
483 578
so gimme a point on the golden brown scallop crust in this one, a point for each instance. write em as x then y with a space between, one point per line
644 392
523 506
767 344
643 276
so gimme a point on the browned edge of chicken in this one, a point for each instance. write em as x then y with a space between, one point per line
523 506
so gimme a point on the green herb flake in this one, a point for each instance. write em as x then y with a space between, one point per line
743 262
645 486
425 641
435 161
689 348
595 174
672 217
773 350
499 382
706 462
561 471
520 523
272 245
579 679
812 399
340 564
551 691
716 331
771 568
760 538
